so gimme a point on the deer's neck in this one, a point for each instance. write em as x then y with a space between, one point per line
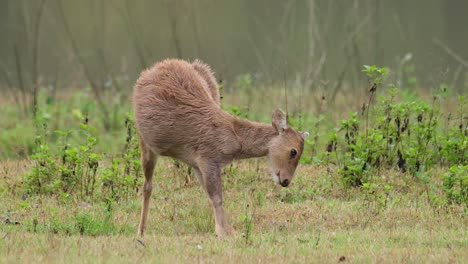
254 138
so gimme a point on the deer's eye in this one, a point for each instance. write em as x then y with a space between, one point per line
293 153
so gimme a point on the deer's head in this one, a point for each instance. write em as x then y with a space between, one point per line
285 149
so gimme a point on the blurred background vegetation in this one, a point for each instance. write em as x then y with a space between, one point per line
83 57
317 42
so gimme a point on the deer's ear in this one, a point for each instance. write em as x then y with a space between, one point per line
304 135
279 120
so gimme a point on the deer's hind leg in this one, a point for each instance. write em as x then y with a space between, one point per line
148 162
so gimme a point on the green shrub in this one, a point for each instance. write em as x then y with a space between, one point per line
455 184
396 133
76 169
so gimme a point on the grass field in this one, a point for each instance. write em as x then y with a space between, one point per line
315 220
335 210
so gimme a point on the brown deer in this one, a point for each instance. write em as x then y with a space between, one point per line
178 114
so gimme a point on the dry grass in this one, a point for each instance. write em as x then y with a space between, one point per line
315 220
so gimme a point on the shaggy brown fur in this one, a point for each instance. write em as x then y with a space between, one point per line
177 114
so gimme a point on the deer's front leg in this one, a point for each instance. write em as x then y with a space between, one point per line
212 183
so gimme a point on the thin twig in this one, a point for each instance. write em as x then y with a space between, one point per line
19 71
175 37
258 54
35 60
137 39
195 29
125 13
285 91
87 71
450 52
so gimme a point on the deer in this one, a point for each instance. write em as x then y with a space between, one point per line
178 114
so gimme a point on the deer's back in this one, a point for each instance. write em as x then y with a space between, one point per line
175 113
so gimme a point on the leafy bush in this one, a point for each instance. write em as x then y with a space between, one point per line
73 170
455 184
76 169
405 135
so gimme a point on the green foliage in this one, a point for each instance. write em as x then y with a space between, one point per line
123 177
84 222
247 223
455 184
292 197
261 198
406 134
76 169
93 226
237 111
72 170
244 82
376 195
375 74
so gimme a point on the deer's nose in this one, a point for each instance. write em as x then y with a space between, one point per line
285 183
